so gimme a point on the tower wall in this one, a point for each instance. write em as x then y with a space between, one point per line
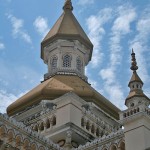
137 133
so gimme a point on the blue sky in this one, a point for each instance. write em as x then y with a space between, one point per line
114 27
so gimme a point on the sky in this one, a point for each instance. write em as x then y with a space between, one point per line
114 27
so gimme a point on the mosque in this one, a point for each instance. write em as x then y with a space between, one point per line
64 112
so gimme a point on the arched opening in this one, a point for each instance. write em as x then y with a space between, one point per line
93 129
10 136
26 144
53 121
41 148
82 122
41 126
67 61
54 62
88 125
47 124
33 146
35 128
97 132
122 146
2 131
78 64
18 141
113 147
1 143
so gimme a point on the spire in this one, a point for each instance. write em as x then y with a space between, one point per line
135 83
134 66
68 5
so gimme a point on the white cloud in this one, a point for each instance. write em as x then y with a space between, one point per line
2 46
127 15
18 29
96 33
85 2
6 99
41 25
121 27
140 45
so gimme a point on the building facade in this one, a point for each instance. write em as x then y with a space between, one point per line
64 112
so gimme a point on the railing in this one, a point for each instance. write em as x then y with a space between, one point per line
65 71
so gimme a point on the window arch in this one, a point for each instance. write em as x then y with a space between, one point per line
88 125
54 62
78 63
53 120
82 122
67 61
93 129
113 147
122 145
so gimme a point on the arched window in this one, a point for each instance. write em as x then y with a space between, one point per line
97 132
93 129
47 123
53 121
54 62
35 128
88 125
78 63
82 122
113 147
122 146
41 126
67 61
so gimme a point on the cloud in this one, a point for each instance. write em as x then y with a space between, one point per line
6 99
41 25
140 46
121 26
96 33
85 2
18 29
2 46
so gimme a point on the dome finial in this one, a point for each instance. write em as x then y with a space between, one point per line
68 5
134 66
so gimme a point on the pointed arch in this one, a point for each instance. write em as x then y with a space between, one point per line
1 143
121 145
93 129
10 136
35 128
53 120
41 148
34 146
54 60
41 126
113 147
3 131
26 144
97 132
88 125
18 140
67 61
47 123
82 122
79 64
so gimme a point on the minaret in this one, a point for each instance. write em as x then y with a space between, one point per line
135 118
66 49
135 85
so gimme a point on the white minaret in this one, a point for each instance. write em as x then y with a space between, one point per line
66 49
136 119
